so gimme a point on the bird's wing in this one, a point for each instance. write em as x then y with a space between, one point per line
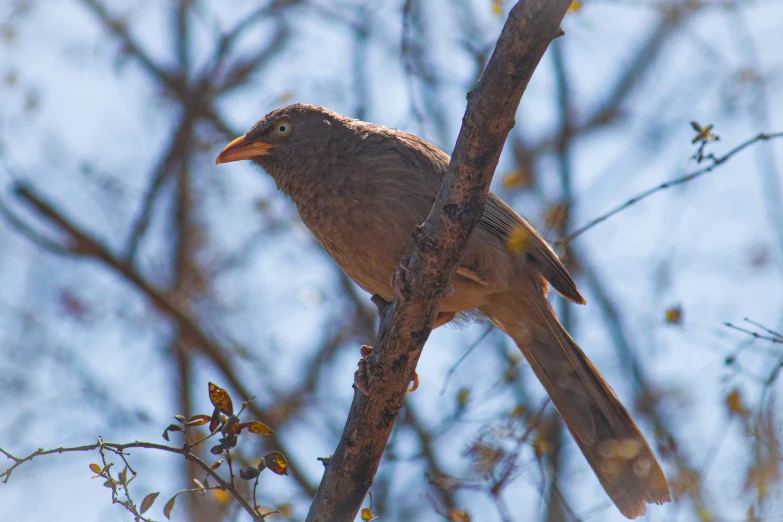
501 220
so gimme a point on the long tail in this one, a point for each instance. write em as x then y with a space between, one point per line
602 427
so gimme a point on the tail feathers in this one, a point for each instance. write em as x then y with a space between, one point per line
601 426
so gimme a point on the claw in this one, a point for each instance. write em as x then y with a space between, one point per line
414 383
398 277
361 378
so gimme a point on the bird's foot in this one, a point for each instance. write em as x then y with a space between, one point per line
398 277
361 377
397 280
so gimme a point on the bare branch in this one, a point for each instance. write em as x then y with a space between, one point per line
85 245
716 161
119 449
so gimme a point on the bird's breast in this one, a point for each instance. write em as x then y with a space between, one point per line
366 234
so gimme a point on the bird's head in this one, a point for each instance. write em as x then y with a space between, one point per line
286 142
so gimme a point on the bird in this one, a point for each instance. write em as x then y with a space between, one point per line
361 189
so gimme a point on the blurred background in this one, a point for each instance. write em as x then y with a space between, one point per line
134 270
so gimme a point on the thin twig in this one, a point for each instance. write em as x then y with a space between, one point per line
118 449
716 161
755 335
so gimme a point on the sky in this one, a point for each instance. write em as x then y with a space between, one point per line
712 246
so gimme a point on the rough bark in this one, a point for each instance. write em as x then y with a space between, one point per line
439 244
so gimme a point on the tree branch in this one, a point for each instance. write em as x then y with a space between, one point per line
82 244
439 244
716 161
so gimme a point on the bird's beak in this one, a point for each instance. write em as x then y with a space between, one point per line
241 149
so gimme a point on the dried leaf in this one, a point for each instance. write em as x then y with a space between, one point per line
171 427
541 447
734 403
249 473
259 428
217 464
214 422
456 515
276 462
674 315
463 397
147 502
198 420
231 427
518 178
220 399
703 134
169 506
95 468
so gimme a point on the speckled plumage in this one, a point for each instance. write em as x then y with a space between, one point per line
362 188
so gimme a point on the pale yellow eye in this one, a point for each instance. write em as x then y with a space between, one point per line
283 128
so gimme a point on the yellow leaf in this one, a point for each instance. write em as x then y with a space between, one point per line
542 447
518 239
222 497
518 411
463 397
259 428
674 315
497 7
220 399
575 6
285 510
95 468
367 514
276 462
703 134
734 403
456 515
518 178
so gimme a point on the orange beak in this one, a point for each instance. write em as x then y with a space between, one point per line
241 149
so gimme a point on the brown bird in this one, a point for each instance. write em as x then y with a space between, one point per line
362 188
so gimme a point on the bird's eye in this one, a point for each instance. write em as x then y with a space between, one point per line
283 128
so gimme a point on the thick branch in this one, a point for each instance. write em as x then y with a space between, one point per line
439 244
